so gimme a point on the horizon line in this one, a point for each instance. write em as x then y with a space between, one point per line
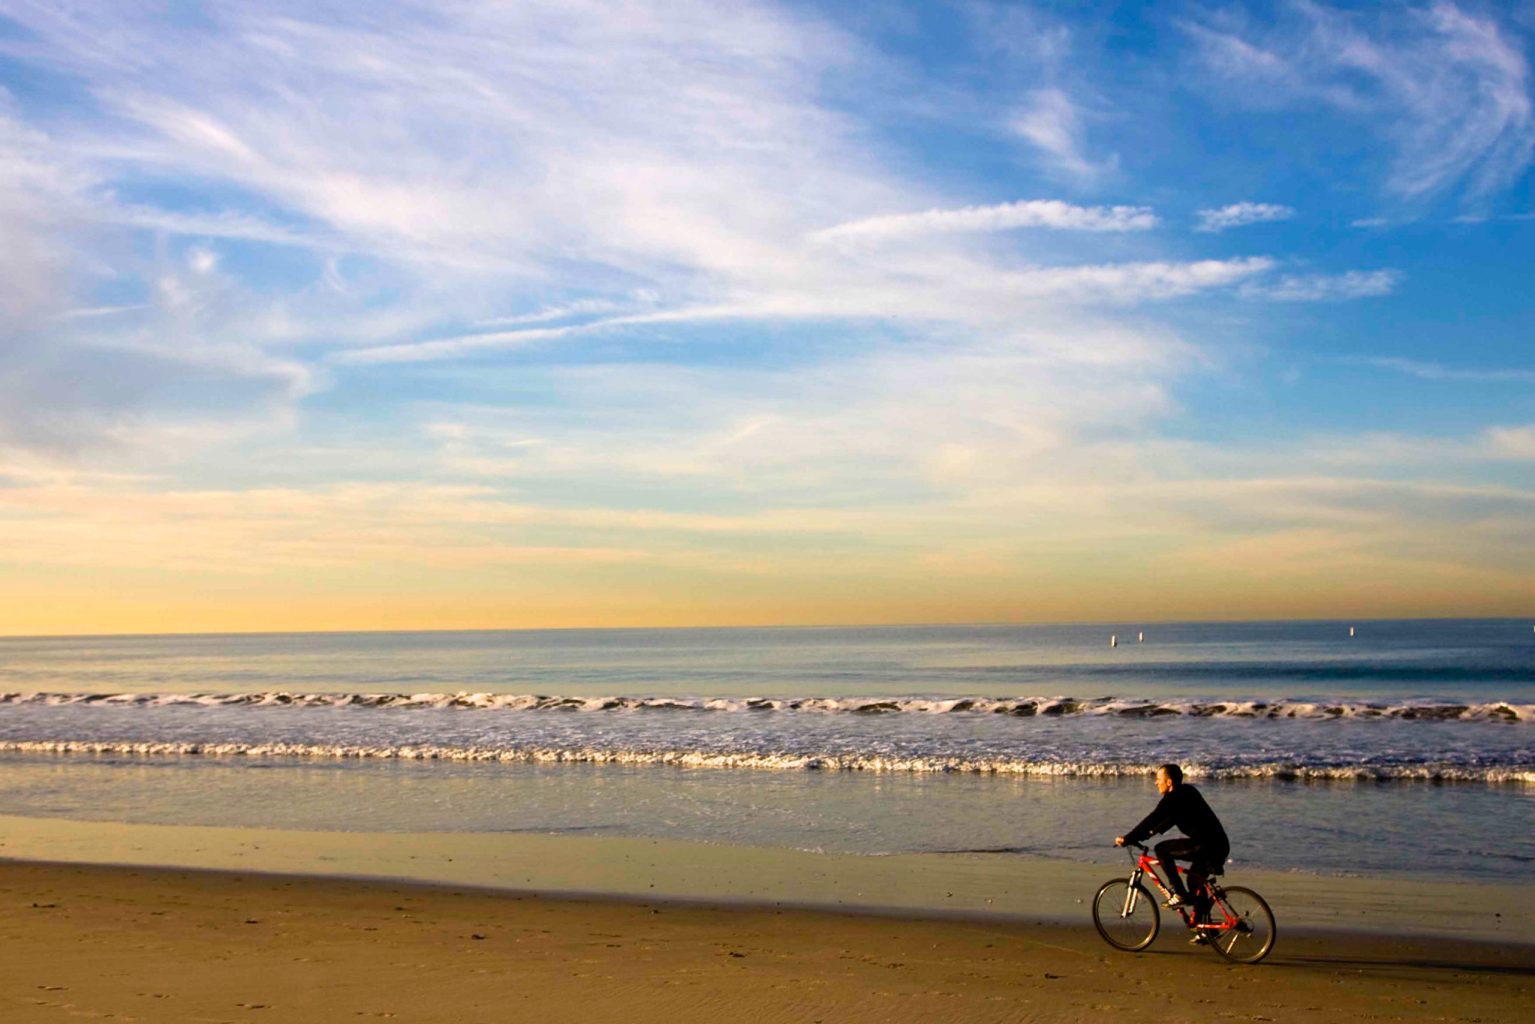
1106 623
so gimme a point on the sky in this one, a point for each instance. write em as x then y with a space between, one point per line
463 314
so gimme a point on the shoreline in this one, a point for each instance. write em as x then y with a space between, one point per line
168 944
975 887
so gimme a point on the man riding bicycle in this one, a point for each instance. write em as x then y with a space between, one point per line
1205 846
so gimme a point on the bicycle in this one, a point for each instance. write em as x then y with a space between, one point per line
1239 924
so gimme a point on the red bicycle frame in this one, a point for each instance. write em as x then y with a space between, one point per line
1206 892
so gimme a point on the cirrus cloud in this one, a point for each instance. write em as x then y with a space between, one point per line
1238 214
1031 213
1448 88
1352 284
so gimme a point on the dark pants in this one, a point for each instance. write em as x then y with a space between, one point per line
1202 862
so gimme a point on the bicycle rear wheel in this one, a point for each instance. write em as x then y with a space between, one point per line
1127 919
1252 934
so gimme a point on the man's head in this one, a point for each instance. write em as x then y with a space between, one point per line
1169 778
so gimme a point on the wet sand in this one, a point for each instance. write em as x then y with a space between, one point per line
998 885
82 942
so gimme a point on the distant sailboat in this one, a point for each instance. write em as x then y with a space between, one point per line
1351 631
1113 640
1140 638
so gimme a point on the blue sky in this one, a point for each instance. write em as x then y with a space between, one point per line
475 314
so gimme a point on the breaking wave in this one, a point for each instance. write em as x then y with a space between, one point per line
1022 707
1436 772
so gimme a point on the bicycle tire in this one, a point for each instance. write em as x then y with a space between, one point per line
1252 937
1133 932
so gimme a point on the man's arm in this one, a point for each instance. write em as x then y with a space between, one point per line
1158 821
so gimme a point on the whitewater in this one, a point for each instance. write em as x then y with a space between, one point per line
1416 740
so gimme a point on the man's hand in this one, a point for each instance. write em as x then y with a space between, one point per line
1119 840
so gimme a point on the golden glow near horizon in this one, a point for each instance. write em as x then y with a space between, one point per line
390 557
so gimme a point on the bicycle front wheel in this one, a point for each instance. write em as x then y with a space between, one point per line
1127 918
1251 934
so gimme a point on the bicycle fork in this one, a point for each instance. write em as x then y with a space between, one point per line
1132 894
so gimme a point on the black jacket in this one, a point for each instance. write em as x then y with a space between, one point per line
1185 809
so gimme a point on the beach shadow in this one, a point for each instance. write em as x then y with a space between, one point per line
1514 961
1387 965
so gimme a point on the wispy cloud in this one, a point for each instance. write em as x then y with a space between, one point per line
555 131
222 224
89 312
43 204
1511 442
977 298
1133 282
81 400
1057 126
1438 371
1448 88
548 314
1352 284
464 344
80 379
1236 215
1031 213
520 163
838 433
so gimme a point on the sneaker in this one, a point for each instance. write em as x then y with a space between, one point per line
1200 939
1175 902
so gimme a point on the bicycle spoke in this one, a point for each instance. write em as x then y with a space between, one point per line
1125 915
1247 934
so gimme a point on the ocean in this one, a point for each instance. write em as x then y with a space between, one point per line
1332 747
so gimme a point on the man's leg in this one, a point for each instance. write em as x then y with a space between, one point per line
1197 876
1168 849
1203 865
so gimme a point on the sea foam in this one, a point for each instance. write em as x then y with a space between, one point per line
1283 771
1413 710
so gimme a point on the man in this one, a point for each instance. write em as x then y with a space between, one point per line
1182 806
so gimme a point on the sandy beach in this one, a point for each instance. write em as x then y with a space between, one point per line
183 923
87 942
